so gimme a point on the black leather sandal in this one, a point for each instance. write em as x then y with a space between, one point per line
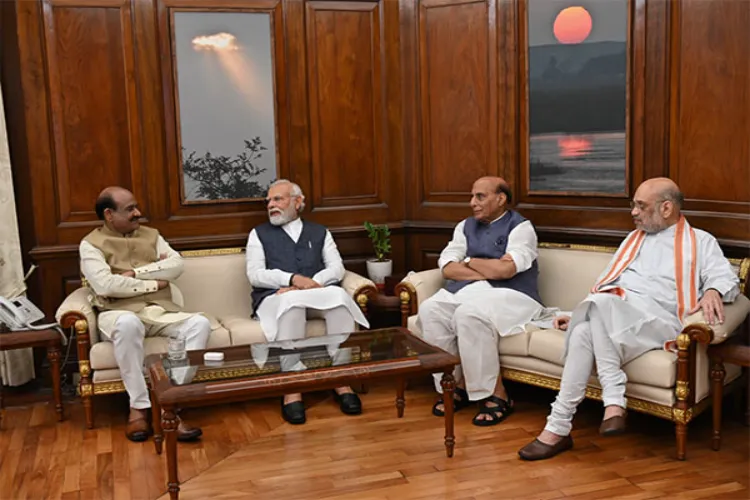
294 413
349 403
505 408
458 403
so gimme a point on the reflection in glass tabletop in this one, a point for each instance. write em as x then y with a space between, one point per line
263 359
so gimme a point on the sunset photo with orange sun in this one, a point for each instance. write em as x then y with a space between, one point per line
577 95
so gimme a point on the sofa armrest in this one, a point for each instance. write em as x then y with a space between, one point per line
360 288
415 289
77 306
734 314
76 312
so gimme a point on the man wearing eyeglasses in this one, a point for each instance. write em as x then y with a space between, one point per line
663 271
294 267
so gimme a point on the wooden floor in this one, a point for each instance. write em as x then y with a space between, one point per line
247 451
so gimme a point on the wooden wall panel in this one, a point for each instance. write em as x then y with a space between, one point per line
346 102
710 115
94 111
457 114
386 111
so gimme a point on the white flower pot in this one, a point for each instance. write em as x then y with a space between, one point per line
379 270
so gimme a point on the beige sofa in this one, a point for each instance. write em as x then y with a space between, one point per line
213 282
661 383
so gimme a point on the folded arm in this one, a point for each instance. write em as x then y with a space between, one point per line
99 275
452 257
169 266
520 254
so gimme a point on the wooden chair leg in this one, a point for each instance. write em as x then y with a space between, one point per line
717 376
681 435
88 409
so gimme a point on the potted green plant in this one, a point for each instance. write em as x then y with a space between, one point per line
379 267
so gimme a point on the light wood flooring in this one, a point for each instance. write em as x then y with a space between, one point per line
247 451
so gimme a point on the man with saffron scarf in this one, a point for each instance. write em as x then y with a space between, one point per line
662 272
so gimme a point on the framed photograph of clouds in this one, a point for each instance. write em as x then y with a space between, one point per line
577 69
224 96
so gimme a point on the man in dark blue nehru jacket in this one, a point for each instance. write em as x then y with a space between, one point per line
291 265
491 273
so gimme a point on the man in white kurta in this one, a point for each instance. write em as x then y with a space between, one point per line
656 278
294 267
490 265
129 268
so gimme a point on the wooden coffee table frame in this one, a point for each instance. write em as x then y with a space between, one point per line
166 398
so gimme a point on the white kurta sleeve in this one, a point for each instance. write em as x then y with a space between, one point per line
455 251
522 246
168 269
334 270
99 275
715 270
255 266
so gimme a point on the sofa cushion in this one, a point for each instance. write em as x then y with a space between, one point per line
517 345
102 354
565 276
657 368
216 284
245 331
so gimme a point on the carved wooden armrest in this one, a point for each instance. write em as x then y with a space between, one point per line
687 346
360 288
76 312
408 298
416 288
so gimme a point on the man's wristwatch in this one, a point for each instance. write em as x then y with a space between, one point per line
467 260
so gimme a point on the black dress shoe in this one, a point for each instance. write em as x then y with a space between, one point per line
348 402
294 413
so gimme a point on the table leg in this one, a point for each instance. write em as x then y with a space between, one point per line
156 422
400 402
53 355
717 376
169 424
449 385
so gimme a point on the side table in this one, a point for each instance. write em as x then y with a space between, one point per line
48 338
385 308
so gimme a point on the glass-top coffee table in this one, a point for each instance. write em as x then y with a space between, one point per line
259 370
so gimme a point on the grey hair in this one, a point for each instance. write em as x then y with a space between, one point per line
296 190
674 195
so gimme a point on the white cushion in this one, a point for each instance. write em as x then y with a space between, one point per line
217 285
248 331
657 368
565 276
102 354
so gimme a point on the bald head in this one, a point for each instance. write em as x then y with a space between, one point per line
663 189
489 197
117 207
657 204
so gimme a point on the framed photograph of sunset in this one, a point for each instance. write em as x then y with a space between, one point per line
577 96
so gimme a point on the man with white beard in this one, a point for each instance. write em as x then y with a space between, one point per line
294 268
663 271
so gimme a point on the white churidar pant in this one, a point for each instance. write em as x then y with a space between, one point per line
589 345
469 323
127 335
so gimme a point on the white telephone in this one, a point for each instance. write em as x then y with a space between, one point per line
19 312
